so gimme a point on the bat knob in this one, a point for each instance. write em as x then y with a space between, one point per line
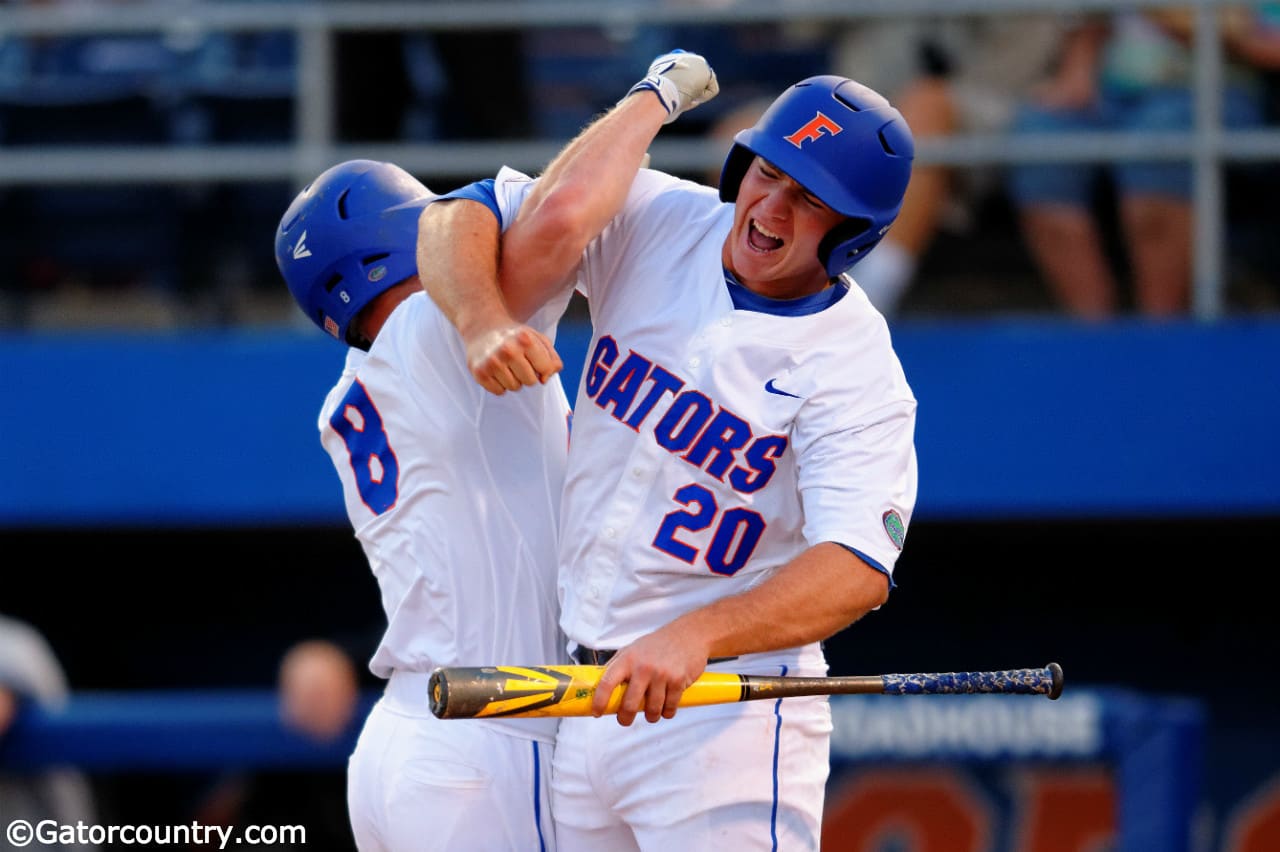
438 687
1055 672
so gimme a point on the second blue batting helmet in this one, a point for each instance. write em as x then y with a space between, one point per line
349 236
842 142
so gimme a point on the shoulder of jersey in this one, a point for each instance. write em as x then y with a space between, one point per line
681 199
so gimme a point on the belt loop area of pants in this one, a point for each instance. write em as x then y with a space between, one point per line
593 657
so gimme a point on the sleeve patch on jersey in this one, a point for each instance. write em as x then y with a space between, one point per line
894 527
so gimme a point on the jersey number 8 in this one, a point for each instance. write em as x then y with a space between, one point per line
373 461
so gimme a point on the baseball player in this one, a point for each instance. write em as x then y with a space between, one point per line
453 494
742 470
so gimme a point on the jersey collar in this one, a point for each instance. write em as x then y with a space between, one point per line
745 300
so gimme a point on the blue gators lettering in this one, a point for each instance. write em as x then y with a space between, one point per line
683 421
601 361
759 458
710 437
663 382
621 387
373 461
726 434
621 390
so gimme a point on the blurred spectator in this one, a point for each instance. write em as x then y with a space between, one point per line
30 673
945 76
1131 72
319 687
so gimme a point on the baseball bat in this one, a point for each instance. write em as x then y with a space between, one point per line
492 691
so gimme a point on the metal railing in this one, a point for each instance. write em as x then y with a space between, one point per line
1208 147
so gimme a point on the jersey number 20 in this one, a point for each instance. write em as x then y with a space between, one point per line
737 531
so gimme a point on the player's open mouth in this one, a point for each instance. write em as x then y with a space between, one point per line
761 239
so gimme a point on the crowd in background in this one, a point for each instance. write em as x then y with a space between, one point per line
1091 240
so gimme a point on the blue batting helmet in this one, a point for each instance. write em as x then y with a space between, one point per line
347 237
842 142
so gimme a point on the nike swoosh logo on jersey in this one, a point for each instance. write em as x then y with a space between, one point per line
769 386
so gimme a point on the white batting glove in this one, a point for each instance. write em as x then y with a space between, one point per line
680 80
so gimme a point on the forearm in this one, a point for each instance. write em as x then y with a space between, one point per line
582 189
458 267
819 593
458 264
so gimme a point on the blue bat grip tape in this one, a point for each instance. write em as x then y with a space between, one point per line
1019 682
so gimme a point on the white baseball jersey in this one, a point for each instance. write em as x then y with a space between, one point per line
717 434
454 495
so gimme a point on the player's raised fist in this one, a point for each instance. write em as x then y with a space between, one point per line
680 80
510 358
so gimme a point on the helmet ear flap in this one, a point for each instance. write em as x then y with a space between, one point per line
735 169
845 244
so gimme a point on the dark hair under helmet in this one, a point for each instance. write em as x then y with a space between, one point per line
845 144
349 236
